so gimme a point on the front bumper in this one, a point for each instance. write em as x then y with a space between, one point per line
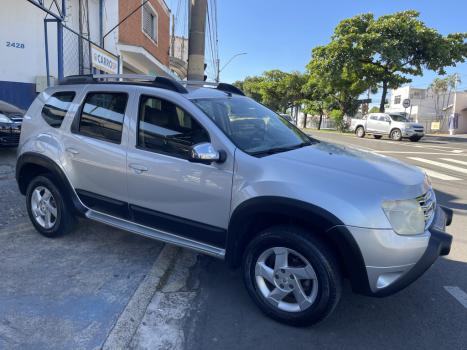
393 261
413 133
9 134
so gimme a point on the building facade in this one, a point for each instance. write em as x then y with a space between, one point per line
140 44
429 109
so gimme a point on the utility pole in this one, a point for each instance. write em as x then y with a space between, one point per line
196 39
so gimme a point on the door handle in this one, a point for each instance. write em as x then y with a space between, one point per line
138 169
72 150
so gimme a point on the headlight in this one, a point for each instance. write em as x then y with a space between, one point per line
5 119
406 217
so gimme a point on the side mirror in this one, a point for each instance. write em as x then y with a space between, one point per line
206 154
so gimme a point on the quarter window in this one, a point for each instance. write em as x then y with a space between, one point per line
56 108
102 116
165 128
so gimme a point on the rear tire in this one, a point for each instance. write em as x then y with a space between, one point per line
360 132
377 136
291 276
396 135
47 208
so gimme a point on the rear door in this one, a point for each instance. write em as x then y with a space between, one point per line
166 191
384 124
372 123
95 150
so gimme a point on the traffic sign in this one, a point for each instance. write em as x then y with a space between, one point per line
406 103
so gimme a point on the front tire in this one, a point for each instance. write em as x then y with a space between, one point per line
47 208
396 135
377 136
291 276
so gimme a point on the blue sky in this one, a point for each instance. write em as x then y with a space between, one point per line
281 33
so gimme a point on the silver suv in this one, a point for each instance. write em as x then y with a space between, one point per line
206 168
394 125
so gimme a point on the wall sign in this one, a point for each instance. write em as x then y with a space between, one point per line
103 60
15 45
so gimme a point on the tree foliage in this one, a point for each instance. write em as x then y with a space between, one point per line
276 89
386 51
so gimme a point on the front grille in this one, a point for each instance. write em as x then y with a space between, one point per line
428 204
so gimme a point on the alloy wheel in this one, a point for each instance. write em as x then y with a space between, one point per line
44 207
286 279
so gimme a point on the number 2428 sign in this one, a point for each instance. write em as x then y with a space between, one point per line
15 45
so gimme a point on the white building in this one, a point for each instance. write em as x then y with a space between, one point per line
426 108
139 45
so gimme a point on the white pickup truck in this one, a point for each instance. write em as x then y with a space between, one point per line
396 126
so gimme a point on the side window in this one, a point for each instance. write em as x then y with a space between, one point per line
374 117
102 116
56 108
382 119
165 128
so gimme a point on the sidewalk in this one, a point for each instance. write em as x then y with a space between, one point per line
447 137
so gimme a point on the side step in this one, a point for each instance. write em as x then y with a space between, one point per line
156 234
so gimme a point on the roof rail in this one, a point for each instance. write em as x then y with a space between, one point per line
159 82
219 86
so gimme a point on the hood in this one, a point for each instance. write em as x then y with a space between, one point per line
8 109
349 160
415 125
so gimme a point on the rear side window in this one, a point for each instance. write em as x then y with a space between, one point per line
165 128
56 108
102 116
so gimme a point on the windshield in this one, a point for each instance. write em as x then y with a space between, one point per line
398 118
252 127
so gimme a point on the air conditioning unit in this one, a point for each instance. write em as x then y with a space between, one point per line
41 82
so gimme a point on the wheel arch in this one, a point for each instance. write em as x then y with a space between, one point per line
257 214
30 164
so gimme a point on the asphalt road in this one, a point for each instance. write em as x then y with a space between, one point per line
64 293
423 316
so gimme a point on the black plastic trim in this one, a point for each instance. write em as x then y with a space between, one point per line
104 204
329 227
230 88
31 158
194 230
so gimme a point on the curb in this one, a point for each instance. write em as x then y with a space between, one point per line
129 320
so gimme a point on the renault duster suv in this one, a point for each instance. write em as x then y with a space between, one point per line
206 168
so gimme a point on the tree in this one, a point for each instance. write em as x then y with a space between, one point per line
374 109
276 89
389 49
337 77
317 98
442 88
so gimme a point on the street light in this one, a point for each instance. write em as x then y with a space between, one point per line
219 70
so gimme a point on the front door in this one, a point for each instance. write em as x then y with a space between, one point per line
95 152
168 192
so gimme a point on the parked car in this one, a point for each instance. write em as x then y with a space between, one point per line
11 118
394 125
209 169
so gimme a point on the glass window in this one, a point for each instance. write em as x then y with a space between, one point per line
252 127
56 108
397 100
374 117
150 22
165 128
383 119
102 116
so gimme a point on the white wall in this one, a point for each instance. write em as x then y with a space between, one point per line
21 22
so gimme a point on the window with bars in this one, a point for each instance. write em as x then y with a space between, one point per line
150 22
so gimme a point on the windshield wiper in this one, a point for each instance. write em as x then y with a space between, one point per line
275 150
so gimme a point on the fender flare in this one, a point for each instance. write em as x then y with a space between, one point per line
32 158
330 228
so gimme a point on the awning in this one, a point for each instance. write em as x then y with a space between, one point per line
140 60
